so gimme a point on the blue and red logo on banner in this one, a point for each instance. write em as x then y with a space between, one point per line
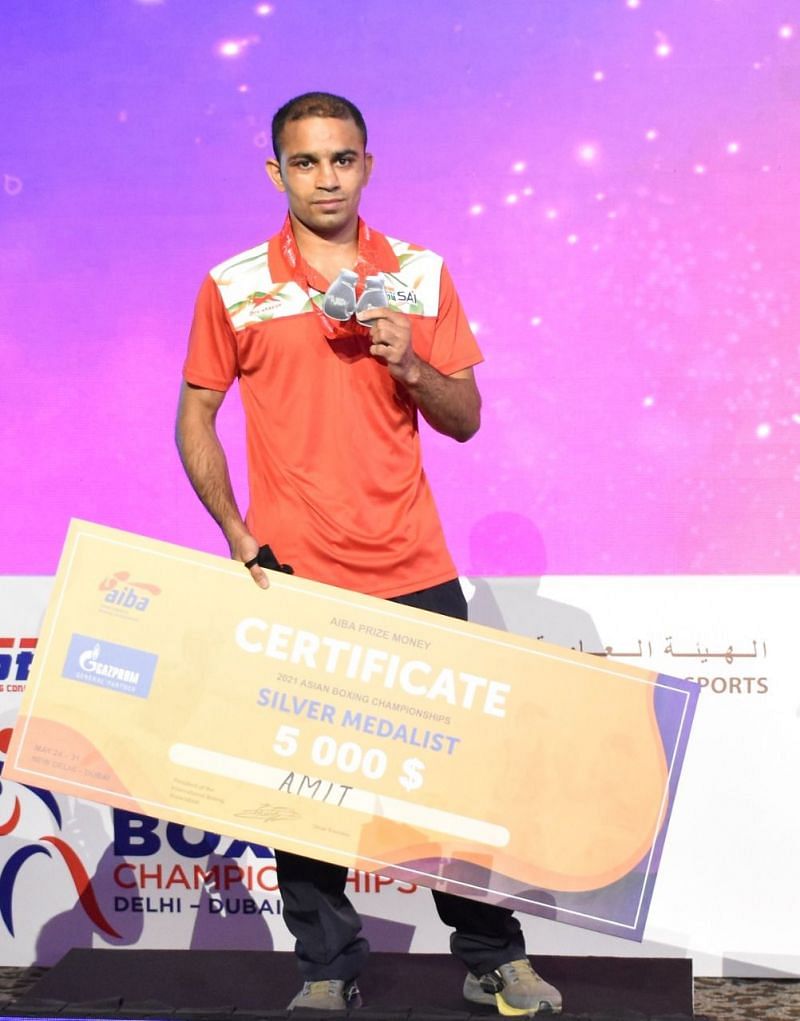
46 844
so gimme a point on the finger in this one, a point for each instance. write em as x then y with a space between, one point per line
259 576
380 345
370 315
387 331
379 338
384 344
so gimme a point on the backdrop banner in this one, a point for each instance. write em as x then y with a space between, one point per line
352 729
76 873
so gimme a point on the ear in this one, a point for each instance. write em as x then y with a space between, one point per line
367 167
273 169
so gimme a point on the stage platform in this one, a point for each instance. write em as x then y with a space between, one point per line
230 985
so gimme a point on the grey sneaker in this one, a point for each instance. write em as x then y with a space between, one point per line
515 989
327 994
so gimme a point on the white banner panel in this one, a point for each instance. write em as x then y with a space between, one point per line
728 893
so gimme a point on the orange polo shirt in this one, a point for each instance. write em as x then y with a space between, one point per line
337 486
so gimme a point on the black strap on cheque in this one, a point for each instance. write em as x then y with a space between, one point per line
266 558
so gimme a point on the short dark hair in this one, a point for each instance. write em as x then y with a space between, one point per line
316 104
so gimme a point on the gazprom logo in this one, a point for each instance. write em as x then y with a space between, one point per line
108 665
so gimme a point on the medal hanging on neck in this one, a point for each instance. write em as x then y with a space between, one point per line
341 299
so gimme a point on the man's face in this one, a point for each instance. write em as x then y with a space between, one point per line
322 169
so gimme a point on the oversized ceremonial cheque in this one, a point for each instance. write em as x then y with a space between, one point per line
352 729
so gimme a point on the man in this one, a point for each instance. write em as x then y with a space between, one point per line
334 466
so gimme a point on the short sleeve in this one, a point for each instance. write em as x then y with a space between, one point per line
454 346
212 360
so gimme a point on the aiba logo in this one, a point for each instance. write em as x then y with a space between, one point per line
16 657
125 597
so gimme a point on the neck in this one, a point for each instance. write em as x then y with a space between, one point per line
327 253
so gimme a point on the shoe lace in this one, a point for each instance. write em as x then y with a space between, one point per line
518 969
330 985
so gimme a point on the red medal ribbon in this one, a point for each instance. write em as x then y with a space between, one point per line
307 278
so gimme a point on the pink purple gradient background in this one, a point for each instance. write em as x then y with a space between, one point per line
613 184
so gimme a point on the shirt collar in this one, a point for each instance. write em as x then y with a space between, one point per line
373 248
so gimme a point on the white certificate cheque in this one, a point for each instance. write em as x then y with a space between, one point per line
352 729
